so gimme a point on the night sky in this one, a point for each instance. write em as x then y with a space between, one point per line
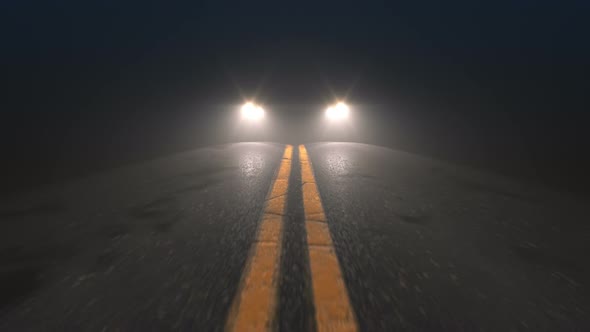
502 86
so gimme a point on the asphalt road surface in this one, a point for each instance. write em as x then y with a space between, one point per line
330 236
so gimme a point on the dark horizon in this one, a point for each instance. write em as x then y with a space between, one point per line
502 87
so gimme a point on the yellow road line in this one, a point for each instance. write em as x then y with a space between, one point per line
254 307
333 311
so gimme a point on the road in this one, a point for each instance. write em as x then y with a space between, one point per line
327 236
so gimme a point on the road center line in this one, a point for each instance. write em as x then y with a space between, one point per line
254 307
333 311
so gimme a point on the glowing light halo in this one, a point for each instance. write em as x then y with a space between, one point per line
252 111
338 111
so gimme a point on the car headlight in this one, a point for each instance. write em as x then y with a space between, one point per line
338 111
252 111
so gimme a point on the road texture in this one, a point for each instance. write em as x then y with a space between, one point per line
324 237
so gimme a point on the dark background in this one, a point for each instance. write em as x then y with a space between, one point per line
90 85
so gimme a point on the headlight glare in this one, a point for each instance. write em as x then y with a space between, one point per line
337 111
252 111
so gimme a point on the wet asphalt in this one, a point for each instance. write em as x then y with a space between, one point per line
423 245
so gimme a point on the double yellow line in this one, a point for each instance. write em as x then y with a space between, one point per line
254 307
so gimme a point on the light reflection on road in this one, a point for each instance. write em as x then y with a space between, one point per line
339 163
251 163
